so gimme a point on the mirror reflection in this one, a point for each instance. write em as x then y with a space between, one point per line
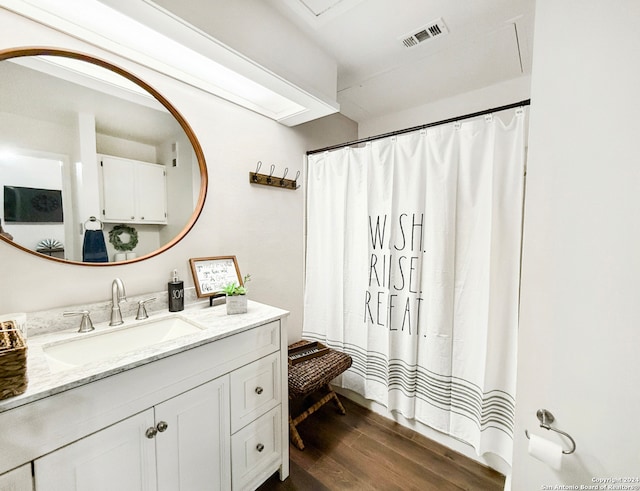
93 167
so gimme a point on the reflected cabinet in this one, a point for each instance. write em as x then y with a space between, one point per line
132 191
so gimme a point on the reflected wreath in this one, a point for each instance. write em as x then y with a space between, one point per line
116 241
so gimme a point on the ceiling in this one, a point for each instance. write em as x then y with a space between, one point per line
152 36
281 58
482 43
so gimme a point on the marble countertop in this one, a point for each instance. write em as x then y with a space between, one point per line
214 323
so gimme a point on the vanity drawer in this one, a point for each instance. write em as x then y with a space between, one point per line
258 341
255 390
256 451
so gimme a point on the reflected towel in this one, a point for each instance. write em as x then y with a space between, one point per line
94 248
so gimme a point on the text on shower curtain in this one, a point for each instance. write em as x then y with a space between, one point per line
393 299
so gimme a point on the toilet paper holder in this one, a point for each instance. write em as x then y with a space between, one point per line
546 418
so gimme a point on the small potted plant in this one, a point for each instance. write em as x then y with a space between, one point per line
237 296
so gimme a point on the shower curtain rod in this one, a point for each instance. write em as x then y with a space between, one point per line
525 102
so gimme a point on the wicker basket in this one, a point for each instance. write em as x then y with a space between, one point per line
13 361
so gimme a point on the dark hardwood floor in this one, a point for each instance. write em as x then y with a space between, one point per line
364 451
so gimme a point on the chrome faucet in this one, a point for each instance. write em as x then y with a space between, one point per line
117 295
85 325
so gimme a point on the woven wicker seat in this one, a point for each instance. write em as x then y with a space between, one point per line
313 375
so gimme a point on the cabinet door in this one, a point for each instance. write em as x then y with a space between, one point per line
118 189
118 457
151 193
17 480
193 449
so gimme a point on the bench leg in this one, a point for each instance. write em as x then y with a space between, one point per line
295 436
337 402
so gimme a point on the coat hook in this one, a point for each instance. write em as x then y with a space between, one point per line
294 184
273 168
255 176
286 170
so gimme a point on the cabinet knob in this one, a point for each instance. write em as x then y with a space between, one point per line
259 447
259 390
162 426
141 218
151 432
132 218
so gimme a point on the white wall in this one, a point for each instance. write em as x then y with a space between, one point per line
579 335
34 134
262 226
507 92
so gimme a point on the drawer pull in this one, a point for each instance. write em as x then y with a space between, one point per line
162 426
151 432
259 447
259 390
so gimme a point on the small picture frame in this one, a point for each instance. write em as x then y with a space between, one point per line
212 274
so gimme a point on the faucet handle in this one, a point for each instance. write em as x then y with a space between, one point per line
85 324
142 309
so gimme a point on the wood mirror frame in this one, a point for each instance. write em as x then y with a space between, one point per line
43 51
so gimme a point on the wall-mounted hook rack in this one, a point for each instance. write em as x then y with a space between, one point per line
271 180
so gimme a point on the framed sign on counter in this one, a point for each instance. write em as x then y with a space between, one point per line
212 274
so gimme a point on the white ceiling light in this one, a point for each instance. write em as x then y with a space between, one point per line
193 60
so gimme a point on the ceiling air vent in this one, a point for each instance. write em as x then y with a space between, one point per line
430 31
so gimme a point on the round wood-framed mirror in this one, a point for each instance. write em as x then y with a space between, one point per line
86 146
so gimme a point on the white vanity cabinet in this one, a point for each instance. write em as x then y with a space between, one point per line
132 191
117 457
256 442
180 444
211 416
19 479
192 443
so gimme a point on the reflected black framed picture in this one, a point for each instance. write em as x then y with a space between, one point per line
26 205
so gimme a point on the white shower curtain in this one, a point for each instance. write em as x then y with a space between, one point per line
413 258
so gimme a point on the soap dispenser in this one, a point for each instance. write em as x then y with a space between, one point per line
176 293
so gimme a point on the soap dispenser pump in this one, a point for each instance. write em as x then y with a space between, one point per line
176 293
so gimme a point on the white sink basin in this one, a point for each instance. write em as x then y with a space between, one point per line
95 346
